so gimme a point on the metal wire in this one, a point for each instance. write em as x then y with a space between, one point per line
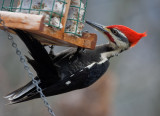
26 67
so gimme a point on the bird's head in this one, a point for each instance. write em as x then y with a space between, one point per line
119 36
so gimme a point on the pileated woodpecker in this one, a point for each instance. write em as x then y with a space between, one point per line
72 69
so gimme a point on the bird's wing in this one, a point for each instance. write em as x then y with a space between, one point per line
70 63
45 69
80 79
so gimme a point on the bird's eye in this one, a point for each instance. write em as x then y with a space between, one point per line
115 32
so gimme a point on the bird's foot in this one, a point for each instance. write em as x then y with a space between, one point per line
77 52
51 53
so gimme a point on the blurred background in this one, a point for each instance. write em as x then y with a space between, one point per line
129 88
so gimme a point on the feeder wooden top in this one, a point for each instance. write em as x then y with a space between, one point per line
34 24
46 35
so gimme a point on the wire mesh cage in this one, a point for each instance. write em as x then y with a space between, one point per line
78 18
53 10
52 22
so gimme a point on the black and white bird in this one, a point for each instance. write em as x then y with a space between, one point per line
72 69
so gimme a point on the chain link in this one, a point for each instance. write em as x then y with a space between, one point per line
26 67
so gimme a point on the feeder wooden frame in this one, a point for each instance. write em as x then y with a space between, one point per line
46 35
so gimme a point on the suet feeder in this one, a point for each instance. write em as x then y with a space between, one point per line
52 22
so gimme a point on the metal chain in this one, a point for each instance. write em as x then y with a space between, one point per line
26 67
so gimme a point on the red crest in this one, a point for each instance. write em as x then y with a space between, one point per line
133 36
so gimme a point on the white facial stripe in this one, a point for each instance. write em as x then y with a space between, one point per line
115 37
118 41
121 33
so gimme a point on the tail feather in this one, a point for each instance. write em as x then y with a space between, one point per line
19 94
28 96
43 65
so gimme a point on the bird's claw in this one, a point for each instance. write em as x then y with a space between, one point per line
51 50
76 53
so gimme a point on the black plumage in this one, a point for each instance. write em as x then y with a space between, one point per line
64 72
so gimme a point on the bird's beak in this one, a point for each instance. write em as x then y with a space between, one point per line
99 27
